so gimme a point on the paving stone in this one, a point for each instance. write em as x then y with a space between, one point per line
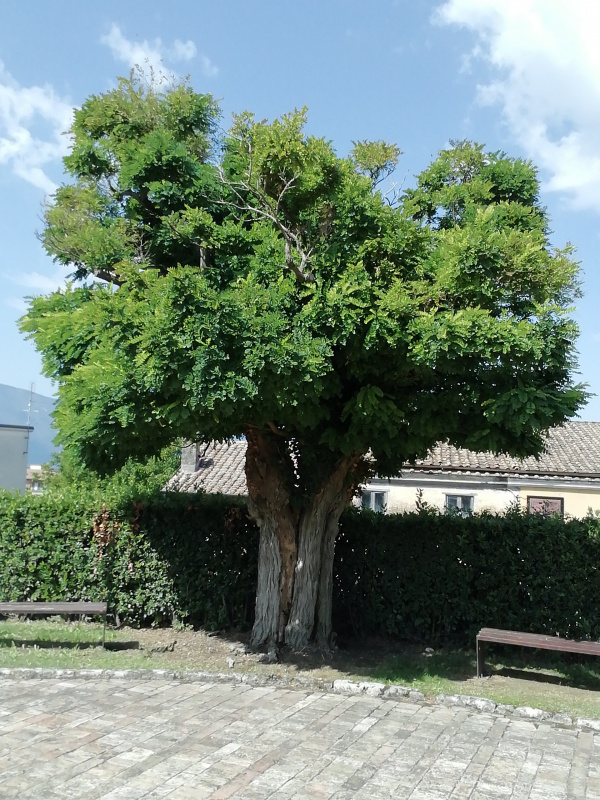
117 738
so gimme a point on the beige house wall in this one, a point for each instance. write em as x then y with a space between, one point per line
490 493
577 501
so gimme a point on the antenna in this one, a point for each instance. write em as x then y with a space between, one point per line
28 409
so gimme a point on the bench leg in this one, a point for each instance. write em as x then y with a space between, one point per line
104 633
478 650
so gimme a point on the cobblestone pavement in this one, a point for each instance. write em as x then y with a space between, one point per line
162 739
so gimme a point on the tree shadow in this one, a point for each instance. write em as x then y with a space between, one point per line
414 664
566 669
51 644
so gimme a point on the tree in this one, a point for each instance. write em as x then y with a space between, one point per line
66 475
256 284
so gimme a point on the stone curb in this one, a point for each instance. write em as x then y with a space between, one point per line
394 692
183 676
366 688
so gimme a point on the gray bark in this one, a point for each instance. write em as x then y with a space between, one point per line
300 626
266 618
269 505
313 586
295 573
325 595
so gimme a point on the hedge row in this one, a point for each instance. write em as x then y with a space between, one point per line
168 558
422 577
435 578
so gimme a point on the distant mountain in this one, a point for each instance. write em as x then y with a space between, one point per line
13 411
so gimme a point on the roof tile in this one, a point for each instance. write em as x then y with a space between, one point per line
571 450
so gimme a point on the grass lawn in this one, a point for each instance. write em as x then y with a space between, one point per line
517 676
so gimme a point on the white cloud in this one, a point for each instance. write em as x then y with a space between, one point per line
143 54
209 69
35 282
547 60
32 284
22 110
150 57
42 283
183 51
18 304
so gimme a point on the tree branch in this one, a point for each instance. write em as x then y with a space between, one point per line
263 208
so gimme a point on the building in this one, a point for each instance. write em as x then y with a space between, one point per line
14 449
34 481
565 479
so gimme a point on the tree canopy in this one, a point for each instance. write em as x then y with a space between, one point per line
257 284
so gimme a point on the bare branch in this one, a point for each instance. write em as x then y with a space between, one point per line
264 208
274 429
109 277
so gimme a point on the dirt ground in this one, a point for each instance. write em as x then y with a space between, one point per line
222 651
225 651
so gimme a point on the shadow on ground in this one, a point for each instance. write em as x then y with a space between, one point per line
49 644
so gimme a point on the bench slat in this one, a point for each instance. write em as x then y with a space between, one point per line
32 607
537 640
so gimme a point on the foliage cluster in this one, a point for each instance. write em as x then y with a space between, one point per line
422 577
257 279
437 578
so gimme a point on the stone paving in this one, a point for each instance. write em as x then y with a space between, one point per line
128 739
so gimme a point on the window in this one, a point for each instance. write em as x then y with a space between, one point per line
460 503
546 505
376 501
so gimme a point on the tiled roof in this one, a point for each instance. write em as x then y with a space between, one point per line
220 468
572 450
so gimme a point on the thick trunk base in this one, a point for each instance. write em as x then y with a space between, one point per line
295 573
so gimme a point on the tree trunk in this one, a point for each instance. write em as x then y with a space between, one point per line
269 506
325 596
310 614
295 571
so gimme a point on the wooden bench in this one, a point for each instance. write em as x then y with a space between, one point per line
532 640
76 607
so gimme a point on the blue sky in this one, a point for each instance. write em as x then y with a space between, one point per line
518 75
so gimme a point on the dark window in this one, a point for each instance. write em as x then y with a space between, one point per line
460 503
376 501
546 505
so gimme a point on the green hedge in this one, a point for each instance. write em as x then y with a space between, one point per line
435 578
422 577
166 558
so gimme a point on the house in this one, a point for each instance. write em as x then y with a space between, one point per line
14 447
34 481
565 479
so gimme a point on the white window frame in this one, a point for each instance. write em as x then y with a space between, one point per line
370 495
459 508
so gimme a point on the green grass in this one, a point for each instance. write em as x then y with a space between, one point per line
53 632
517 676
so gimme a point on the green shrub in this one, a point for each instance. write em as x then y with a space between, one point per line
163 558
424 577
435 578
